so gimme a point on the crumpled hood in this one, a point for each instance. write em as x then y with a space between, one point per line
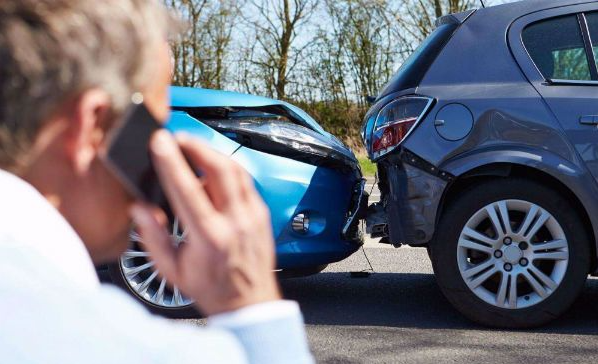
191 98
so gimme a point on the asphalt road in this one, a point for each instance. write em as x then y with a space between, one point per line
398 315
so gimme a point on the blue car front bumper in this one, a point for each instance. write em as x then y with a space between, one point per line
332 200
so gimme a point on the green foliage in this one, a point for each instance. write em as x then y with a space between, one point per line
341 119
571 64
368 168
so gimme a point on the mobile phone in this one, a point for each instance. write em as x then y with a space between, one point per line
128 155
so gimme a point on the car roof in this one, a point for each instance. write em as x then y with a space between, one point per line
479 51
517 9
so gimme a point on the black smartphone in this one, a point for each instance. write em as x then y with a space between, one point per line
129 158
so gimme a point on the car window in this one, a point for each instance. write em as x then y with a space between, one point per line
412 71
556 47
592 19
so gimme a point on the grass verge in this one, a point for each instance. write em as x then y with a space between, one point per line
368 168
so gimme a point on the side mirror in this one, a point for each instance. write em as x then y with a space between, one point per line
371 99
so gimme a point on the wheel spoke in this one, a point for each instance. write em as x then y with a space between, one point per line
145 285
159 295
504 216
544 216
502 290
471 272
537 286
550 245
529 218
558 255
469 232
132 272
543 278
496 224
177 297
129 254
513 291
483 277
470 244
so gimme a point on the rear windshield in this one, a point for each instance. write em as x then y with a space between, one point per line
413 70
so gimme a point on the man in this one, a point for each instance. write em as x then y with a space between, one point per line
68 70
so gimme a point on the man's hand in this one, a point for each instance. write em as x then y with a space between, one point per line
227 259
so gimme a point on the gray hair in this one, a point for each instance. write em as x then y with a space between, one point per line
53 50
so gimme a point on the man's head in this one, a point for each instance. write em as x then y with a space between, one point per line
68 69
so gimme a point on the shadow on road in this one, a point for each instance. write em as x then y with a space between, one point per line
409 300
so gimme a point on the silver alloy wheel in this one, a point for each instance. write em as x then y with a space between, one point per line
140 274
512 254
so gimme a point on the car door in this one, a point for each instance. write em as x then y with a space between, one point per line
557 51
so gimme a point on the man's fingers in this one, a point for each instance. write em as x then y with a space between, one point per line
185 193
156 240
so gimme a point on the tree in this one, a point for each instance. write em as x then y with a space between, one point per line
326 56
418 17
276 30
201 52
362 30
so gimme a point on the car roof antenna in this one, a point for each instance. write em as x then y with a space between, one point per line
483 5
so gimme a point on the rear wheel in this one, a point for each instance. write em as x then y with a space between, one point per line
511 253
136 273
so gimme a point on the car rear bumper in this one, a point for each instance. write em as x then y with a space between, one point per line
412 190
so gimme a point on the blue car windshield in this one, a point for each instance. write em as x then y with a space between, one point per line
413 70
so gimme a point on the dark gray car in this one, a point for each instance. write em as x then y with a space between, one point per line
486 142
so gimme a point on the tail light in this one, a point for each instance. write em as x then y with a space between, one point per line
395 122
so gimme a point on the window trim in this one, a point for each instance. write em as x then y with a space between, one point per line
588 49
518 49
558 82
587 41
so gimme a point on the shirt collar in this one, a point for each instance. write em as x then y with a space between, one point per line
31 222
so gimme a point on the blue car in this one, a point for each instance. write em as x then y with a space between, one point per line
310 180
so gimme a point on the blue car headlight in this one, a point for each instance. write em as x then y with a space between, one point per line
286 139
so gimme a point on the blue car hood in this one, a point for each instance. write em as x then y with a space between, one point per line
182 97
188 98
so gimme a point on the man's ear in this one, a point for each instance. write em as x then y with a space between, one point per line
86 129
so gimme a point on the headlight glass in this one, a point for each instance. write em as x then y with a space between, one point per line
286 139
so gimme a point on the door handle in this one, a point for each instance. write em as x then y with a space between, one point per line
589 120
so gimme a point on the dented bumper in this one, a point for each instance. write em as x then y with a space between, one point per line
412 191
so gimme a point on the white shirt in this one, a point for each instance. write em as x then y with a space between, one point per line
53 309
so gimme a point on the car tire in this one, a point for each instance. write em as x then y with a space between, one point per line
470 289
136 274
117 277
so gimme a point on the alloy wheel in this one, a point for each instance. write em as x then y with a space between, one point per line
143 278
512 254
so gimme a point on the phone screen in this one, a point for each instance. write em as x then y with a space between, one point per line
129 158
